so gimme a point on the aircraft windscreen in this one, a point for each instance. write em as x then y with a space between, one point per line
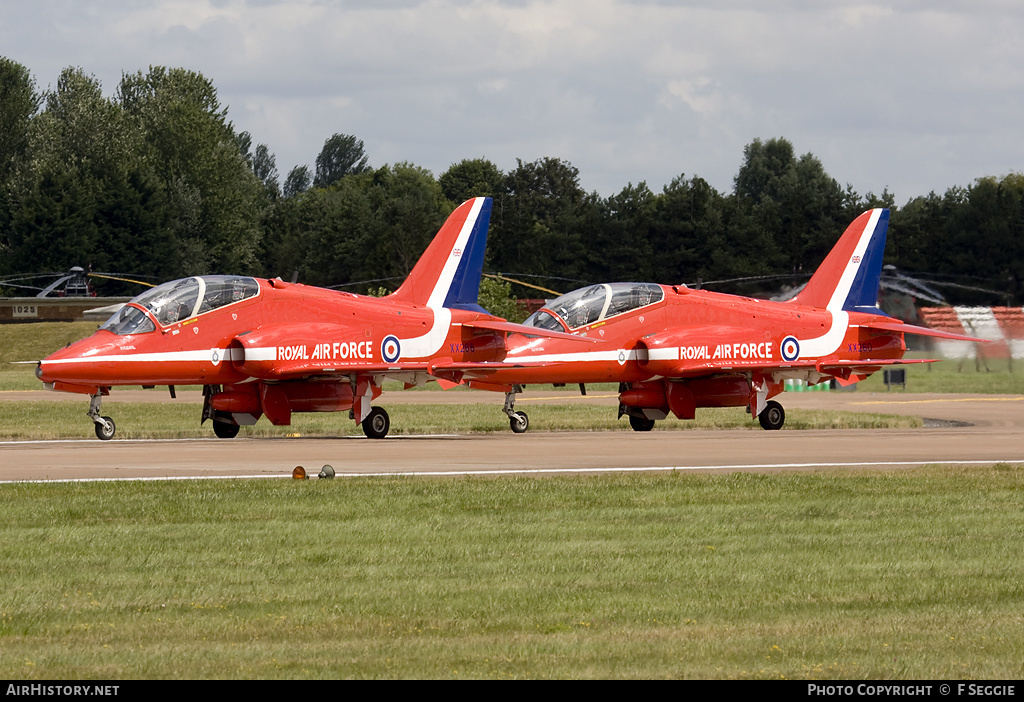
596 303
180 299
129 320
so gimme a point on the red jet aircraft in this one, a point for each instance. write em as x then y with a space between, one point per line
674 349
266 347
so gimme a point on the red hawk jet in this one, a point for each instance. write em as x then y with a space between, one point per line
266 347
674 349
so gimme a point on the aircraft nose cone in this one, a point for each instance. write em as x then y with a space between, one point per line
70 364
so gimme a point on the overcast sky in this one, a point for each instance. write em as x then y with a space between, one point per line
916 96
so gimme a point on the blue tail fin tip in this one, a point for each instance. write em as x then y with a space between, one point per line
464 291
863 294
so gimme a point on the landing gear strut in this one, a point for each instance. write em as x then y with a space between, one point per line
518 421
105 427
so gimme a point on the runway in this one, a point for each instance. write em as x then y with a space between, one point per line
969 429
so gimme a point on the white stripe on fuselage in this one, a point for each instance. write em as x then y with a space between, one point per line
156 357
266 353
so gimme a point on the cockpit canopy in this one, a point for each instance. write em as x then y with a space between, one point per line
179 300
594 304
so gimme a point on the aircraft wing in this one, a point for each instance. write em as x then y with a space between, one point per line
499 325
441 366
306 369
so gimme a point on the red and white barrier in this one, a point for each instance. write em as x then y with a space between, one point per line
1003 325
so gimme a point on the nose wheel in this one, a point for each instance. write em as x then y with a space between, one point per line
105 429
104 426
517 421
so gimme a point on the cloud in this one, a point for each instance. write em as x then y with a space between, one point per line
917 96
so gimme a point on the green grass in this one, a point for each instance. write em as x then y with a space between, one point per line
917 574
39 420
996 377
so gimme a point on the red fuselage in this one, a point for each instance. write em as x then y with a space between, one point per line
710 349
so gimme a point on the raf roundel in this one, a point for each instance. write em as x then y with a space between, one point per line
790 349
390 349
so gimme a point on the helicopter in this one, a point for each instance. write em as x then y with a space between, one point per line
72 283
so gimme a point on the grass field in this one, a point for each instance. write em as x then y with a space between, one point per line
915 574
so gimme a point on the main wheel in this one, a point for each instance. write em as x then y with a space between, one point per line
377 423
772 416
224 428
105 429
519 422
640 423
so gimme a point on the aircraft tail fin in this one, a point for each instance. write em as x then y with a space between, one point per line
848 278
448 273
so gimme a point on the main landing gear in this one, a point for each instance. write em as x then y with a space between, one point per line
638 423
518 421
772 417
224 427
377 423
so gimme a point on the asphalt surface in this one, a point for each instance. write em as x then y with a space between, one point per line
960 429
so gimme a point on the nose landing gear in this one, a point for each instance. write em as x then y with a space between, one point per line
105 426
518 421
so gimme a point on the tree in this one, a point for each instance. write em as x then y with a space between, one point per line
86 196
538 223
262 163
789 208
264 166
619 240
217 200
686 216
496 297
341 155
471 178
364 232
19 101
297 182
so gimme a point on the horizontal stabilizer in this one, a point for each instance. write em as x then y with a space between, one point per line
896 326
864 366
